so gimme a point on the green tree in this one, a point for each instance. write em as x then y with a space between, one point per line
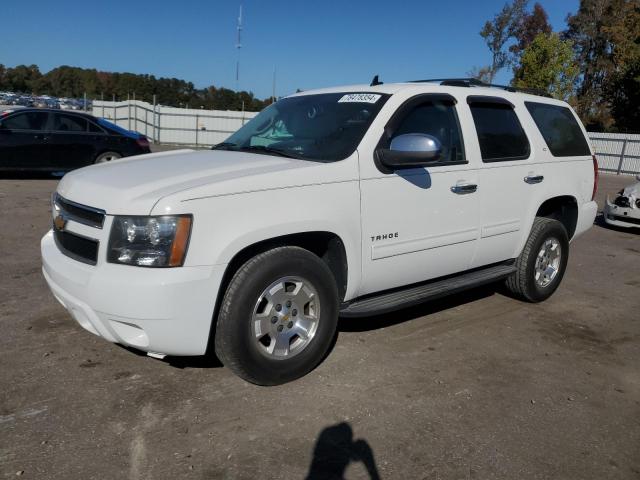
606 36
23 78
499 31
531 25
3 74
624 98
548 64
67 81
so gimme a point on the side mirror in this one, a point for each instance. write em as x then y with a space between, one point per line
411 150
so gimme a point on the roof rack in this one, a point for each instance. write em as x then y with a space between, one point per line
474 82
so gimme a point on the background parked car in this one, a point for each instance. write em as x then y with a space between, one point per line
624 210
55 140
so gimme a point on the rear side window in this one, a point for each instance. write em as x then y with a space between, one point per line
69 123
439 120
560 129
93 128
26 121
500 134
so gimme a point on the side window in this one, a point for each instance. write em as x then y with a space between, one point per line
500 134
93 128
439 120
69 123
26 121
560 129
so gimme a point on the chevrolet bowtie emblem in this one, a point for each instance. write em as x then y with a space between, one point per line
59 223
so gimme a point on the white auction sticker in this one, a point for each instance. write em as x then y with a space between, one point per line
360 98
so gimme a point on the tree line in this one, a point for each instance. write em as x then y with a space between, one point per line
74 82
594 64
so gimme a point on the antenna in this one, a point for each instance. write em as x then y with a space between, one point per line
238 47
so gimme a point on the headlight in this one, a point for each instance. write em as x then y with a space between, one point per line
149 241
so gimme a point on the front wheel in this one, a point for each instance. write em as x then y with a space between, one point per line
278 316
542 263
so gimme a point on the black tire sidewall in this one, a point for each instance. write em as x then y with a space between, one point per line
257 366
556 230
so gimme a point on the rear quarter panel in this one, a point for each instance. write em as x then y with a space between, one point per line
563 176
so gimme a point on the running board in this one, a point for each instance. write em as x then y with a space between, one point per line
412 295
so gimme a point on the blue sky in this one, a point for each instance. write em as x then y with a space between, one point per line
311 44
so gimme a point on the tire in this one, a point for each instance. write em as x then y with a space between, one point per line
105 157
527 283
242 342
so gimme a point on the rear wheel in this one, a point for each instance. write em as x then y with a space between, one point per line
278 316
107 157
542 263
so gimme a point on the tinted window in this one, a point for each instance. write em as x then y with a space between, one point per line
93 128
439 120
26 121
499 131
113 127
69 123
560 130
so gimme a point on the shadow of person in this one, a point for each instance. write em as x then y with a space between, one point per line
335 449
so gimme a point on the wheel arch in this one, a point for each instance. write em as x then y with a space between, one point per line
102 150
328 246
563 208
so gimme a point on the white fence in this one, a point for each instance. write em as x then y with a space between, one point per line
616 152
173 125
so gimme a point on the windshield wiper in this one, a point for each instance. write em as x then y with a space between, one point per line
275 151
223 146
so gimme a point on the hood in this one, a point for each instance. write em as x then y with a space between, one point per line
132 186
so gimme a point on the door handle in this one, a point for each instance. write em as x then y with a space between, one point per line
531 179
464 188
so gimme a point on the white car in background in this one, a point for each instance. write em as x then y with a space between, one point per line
624 211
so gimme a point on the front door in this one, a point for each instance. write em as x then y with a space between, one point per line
24 141
420 223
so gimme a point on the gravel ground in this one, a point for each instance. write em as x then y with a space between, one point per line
474 386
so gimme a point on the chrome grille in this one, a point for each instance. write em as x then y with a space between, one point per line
74 245
93 217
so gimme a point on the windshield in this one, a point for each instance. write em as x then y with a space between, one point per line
325 127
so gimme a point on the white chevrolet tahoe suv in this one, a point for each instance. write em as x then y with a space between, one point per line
349 201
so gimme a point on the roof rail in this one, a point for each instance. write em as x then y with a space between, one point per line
474 82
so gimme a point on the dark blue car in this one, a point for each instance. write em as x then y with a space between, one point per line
53 140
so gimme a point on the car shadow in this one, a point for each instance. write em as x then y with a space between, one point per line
336 449
208 360
31 175
360 324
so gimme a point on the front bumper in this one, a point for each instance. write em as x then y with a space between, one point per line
159 310
621 216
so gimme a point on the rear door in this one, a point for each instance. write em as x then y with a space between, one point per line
73 145
507 177
24 141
